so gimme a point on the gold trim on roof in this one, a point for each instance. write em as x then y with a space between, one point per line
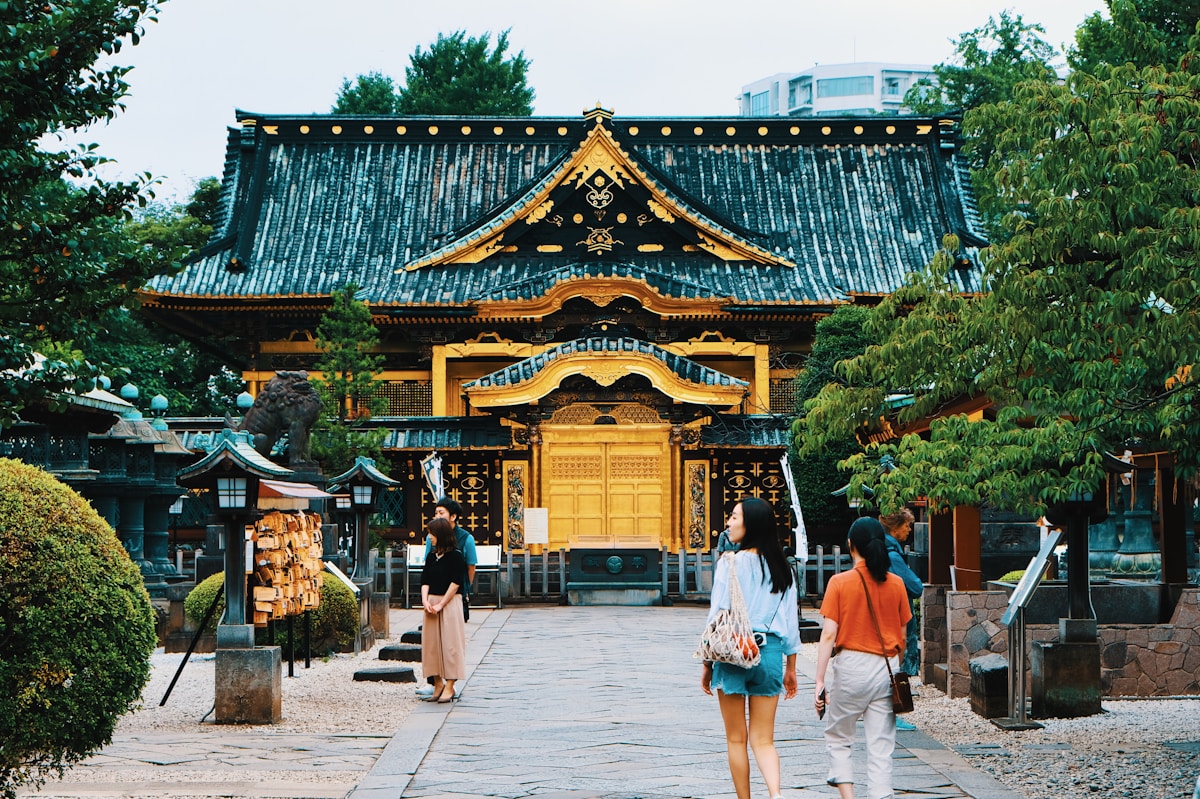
598 163
602 291
605 368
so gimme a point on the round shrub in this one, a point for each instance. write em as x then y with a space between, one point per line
1012 577
334 622
195 605
76 628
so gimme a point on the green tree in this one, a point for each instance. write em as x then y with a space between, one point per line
1085 342
131 348
76 628
373 93
1139 32
62 258
458 75
838 336
348 340
989 63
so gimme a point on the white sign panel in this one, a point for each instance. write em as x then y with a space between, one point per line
537 526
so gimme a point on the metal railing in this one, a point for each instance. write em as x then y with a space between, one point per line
525 577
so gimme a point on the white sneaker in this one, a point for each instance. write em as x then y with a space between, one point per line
425 690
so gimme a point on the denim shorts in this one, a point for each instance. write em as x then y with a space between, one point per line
765 679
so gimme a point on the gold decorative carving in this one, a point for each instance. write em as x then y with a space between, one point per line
271 130
642 219
549 248
697 494
578 413
636 413
640 467
605 373
599 299
923 130
716 248
622 219
515 481
599 195
577 467
539 213
556 220
650 248
600 239
659 210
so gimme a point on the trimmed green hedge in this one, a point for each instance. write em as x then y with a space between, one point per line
76 628
334 622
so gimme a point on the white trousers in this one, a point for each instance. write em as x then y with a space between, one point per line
858 685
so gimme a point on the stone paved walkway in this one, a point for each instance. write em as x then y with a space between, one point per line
576 703
561 703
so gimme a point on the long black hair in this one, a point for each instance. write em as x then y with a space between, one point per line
762 535
866 536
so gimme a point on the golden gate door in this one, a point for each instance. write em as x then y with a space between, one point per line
607 485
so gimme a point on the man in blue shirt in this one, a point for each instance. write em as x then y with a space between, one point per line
898 527
450 510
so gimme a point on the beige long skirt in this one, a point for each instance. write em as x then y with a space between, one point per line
444 641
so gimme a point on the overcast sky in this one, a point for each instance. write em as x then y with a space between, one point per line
205 58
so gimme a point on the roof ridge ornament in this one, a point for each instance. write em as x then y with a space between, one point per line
599 114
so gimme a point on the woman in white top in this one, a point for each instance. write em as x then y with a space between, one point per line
749 697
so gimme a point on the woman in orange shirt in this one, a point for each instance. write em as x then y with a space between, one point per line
859 684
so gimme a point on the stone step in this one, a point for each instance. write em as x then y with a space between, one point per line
386 674
411 637
410 653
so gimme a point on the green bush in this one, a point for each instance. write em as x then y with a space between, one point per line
76 628
1012 577
334 622
199 598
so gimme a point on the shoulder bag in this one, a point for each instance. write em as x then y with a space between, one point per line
729 638
902 698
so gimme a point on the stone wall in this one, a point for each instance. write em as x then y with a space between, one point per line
1135 659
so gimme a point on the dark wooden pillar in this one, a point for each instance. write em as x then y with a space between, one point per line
941 547
1176 516
968 564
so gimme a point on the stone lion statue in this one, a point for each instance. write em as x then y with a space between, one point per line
289 404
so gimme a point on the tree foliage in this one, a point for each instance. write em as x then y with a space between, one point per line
349 366
63 259
458 75
1085 341
373 93
132 348
76 628
838 336
1138 32
989 63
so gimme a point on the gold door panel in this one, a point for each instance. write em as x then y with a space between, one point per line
607 486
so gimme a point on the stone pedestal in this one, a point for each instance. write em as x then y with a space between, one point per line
380 605
249 685
989 685
1066 675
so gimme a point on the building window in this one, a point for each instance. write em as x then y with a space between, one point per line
846 87
895 87
760 104
783 395
408 397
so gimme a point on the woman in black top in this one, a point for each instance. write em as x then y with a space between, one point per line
444 634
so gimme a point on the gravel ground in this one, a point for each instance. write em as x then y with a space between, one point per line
1123 752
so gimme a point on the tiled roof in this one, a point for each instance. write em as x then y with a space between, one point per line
312 203
746 431
404 433
684 368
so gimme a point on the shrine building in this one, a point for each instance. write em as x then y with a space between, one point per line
596 315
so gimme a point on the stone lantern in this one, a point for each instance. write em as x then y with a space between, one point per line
248 678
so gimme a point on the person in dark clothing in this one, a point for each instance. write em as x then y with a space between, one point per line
444 632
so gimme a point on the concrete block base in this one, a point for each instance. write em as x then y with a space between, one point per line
380 605
249 686
583 595
1065 680
989 686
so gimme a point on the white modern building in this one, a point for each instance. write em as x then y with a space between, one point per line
870 87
